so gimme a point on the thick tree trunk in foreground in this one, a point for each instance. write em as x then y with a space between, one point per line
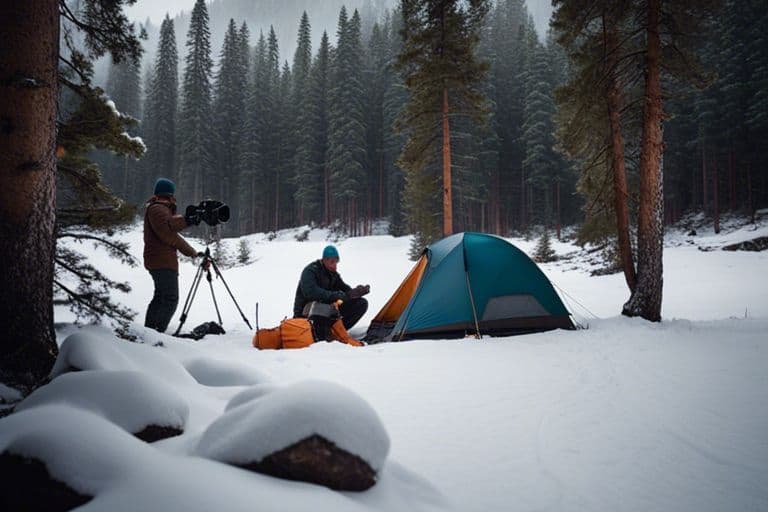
447 195
28 93
620 195
646 299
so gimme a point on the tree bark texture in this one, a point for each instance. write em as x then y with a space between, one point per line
28 102
620 195
646 299
447 195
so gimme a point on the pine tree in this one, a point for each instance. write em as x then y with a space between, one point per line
303 174
161 108
28 162
544 253
124 90
251 168
346 128
197 177
229 115
441 72
376 78
395 99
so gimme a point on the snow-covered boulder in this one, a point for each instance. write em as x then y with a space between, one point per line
95 348
213 372
136 402
61 456
252 393
312 431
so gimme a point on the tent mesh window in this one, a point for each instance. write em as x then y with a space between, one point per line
513 306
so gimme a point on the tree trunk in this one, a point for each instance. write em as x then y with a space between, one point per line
28 99
731 182
558 224
704 191
750 204
716 196
646 299
327 195
620 195
447 186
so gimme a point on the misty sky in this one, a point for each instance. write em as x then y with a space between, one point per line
155 11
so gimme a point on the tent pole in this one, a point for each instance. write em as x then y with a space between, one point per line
474 311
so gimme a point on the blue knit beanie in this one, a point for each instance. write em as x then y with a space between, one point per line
330 252
164 187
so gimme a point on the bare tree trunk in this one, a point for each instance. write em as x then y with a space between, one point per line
731 182
447 185
704 191
381 185
646 299
750 204
716 196
558 225
620 195
28 95
327 194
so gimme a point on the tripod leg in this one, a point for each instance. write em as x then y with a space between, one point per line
218 274
213 295
190 297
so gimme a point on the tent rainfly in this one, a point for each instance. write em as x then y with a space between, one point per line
470 284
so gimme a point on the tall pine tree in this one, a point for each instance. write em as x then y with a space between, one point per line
197 178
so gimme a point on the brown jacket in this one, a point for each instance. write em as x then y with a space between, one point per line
161 238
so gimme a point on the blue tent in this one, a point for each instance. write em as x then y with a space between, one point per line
469 284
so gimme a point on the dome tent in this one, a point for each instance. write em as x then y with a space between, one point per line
470 282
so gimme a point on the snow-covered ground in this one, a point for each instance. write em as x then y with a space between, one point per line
625 415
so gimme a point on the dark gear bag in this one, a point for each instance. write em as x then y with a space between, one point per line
201 330
322 316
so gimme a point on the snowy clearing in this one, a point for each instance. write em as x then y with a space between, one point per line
625 415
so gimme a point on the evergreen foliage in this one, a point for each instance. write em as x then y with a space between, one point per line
229 113
442 73
160 112
346 122
544 253
197 178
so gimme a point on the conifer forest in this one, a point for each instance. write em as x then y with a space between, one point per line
539 130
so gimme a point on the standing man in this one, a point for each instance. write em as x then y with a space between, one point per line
161 243
321 282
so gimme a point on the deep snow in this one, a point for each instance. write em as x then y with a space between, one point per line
625 415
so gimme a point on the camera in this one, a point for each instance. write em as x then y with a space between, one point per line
209 211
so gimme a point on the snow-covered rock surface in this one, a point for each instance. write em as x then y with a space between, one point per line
275 420
130 400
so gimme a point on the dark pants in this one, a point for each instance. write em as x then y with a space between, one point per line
352 310
165 299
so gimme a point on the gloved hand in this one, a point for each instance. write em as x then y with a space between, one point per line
358 291
191 216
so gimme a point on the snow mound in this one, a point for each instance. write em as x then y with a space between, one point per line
94 348
8 394
79 448
281 418
130 400
251 393
214 372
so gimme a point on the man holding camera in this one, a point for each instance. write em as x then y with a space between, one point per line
322 283
161 243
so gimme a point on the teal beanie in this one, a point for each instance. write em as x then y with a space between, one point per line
164 187
330 252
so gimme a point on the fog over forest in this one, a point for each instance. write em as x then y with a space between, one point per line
282 14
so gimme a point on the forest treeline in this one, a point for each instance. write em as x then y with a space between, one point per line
317 140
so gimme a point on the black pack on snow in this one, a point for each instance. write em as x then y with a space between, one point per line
203 329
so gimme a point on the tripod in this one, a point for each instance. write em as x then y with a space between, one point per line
205 267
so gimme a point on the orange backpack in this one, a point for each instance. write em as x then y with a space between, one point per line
292 333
